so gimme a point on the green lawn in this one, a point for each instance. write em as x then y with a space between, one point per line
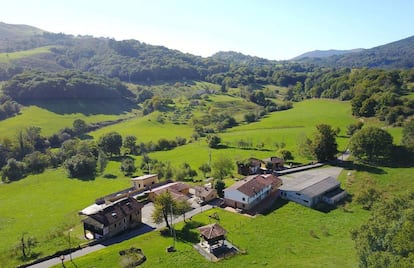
291 236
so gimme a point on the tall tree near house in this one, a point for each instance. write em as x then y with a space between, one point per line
222 167
324 145
165 206
183 207
219 186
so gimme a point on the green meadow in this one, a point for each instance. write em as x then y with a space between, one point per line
46 205
53 116
7 57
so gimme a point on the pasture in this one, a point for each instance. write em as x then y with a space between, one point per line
9 56
46 205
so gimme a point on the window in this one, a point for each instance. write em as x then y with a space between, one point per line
297 193
244 199
152 182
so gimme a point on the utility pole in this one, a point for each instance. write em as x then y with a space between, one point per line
70 246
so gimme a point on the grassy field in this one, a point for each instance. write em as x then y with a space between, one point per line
56 116
46 205
146 129
291 236
7 57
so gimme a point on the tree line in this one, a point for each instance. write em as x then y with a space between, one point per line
31 153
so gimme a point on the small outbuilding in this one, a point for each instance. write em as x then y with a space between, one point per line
212 236
205 194
144 182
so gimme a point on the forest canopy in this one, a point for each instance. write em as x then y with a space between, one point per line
35 85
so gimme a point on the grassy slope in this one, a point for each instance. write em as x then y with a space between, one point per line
146 129
48 120
285 126
46 204
7 57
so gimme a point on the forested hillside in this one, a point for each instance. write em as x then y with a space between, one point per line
395 55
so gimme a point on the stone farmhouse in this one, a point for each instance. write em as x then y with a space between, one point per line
113 218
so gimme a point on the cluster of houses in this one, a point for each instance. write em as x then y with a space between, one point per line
120 211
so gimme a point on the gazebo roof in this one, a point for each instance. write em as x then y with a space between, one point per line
212 231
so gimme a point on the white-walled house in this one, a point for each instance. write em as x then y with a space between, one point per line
249 191
311 191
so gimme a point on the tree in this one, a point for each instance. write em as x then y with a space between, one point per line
220 186
165 206
408 135
130 143
205 168
13 170
372 144
324 145
80 126
352 128
26 245
304 146
128 166
286 154
386 239
111 143
36 162
101 162
80 166
213 141
183 207
222 167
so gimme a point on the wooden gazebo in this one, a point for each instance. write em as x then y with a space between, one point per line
213 235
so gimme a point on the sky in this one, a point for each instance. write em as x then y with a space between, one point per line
272 29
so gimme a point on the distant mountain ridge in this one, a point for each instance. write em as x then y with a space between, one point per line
326 53
134 61
395 55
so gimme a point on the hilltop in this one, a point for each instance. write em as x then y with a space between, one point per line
395 55
25 47
325 53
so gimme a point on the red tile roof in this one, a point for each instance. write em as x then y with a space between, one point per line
253 184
